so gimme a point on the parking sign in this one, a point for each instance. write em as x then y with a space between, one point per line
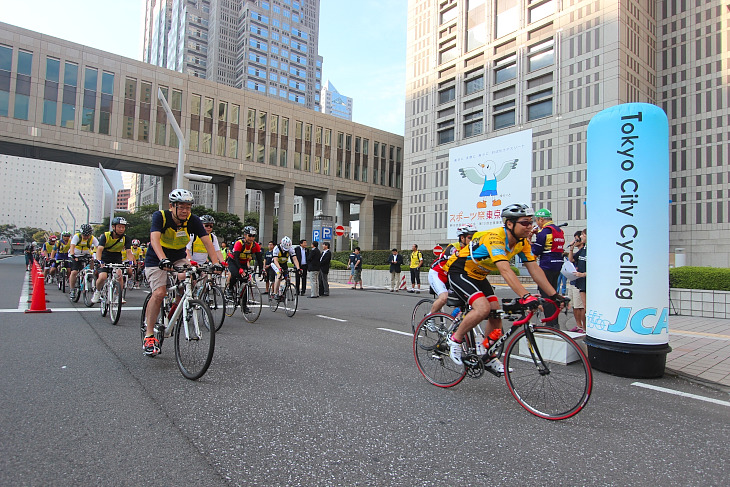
315 235
326 233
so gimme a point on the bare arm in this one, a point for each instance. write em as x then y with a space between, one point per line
538 276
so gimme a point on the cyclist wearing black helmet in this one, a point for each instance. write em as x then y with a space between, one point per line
245 249
196 250
113 247
81 244
170 232
492 250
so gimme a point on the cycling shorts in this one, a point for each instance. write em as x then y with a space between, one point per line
436 282
470 289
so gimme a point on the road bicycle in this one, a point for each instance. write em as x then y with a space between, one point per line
247 295
208 291
62 275
189 321
84 282
289 295
110 300
545 369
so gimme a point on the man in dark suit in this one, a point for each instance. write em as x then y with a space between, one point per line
313 268
302 253
324 269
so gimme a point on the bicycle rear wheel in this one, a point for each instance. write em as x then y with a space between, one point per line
273 300
231 302
539 379
62 277
421 309
115 302
252 302
89 287
159 330
194 340
213 297
432 352
291 300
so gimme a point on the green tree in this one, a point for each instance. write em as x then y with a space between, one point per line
138 223
39 236
28 232
252 219
8 231
228 226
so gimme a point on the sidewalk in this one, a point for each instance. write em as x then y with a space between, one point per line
700 349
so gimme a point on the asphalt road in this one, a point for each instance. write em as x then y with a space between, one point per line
328 397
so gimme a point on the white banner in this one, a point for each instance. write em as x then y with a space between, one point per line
486 176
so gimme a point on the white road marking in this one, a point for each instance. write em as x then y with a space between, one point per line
23 303
80 310
683 394
396 331
331 318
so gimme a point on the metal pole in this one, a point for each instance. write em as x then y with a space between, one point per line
64 222
87 207
72 216
180 138
114 196
60 228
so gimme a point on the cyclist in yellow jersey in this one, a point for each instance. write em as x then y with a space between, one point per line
60 251
113 248
138 260
492 250
81 244
48 251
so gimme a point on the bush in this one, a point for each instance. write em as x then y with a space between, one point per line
709 278
380 257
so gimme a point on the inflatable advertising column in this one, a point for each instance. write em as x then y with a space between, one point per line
628 221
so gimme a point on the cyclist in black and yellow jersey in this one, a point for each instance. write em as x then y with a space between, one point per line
81 244
170 232
138 254
492 250
60 251
48 252
113 247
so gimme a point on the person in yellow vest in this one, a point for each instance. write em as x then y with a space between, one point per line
196 250
60 251
49 251
138 253
81 244
170 232
415 268
113 247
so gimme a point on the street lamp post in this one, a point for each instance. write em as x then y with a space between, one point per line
60 228
180 138
87 207
114 196
65 225
72 216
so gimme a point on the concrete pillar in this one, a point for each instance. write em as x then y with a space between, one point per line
329 203
168 184
307 217
221 190
343 215
286 210
237 201
366 223
396 223
266 216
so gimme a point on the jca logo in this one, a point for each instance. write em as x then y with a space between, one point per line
641 322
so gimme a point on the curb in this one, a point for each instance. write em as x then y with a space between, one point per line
697 380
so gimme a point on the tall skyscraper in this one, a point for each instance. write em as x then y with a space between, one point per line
478 69
335 103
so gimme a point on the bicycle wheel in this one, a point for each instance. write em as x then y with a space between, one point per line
273 300
252 303
62 280
115 302
230 304
159 330
194 340
89 287
566 320
104 300
77 292
432 352
213 297
421 309
291 300
539 379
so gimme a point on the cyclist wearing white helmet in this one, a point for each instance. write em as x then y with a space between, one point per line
170 232
488 251
112 245
437 277
280 258
81 244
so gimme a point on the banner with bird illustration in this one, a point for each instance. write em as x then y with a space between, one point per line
487 175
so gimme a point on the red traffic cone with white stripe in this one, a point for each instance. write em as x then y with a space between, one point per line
38 303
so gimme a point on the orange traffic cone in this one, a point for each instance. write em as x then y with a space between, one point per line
38 302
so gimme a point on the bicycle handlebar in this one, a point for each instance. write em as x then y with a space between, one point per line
518 307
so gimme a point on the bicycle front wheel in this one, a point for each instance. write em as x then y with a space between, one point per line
194 340
252 305
62 280
89 287
421 309
432 352
231 302
291 300
273 300
213 297
115 303
547 373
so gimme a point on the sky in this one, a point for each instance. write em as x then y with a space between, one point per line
363 43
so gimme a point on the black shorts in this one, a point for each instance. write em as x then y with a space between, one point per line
77 265
470 289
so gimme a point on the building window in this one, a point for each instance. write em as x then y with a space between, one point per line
107 99
473 124
449 14
50 94
6 67
448 55
22 85
540 55
446 136
538 9
540 105
505 69
195 104
473 85
447 95
507 17
68 105
88 107
504 115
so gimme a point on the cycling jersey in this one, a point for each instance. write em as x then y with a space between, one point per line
137 252
48 248
83 246
62 249
173 238
487 248
246 250
548 247
280 258
114 248
198 251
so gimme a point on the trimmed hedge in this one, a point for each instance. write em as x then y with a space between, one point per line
708 278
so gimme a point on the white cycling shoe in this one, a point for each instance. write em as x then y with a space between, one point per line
95 298
496 366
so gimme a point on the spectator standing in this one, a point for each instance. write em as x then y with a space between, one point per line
416 263
313 268
548 248
324 269
269 273
351 265
357 269
396 261
577 288
28 251
302 255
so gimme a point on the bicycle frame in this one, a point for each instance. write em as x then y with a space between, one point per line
183 303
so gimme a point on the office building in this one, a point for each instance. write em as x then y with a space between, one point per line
335 103
479 69
123 199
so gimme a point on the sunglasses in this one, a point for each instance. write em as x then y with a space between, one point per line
525 223
208 225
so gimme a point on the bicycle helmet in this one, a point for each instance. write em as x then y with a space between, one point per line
465 229
135 242
66 234
119 220
543 213
181 196
516 211
52 238
249 230
207 219
286 243
86 229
